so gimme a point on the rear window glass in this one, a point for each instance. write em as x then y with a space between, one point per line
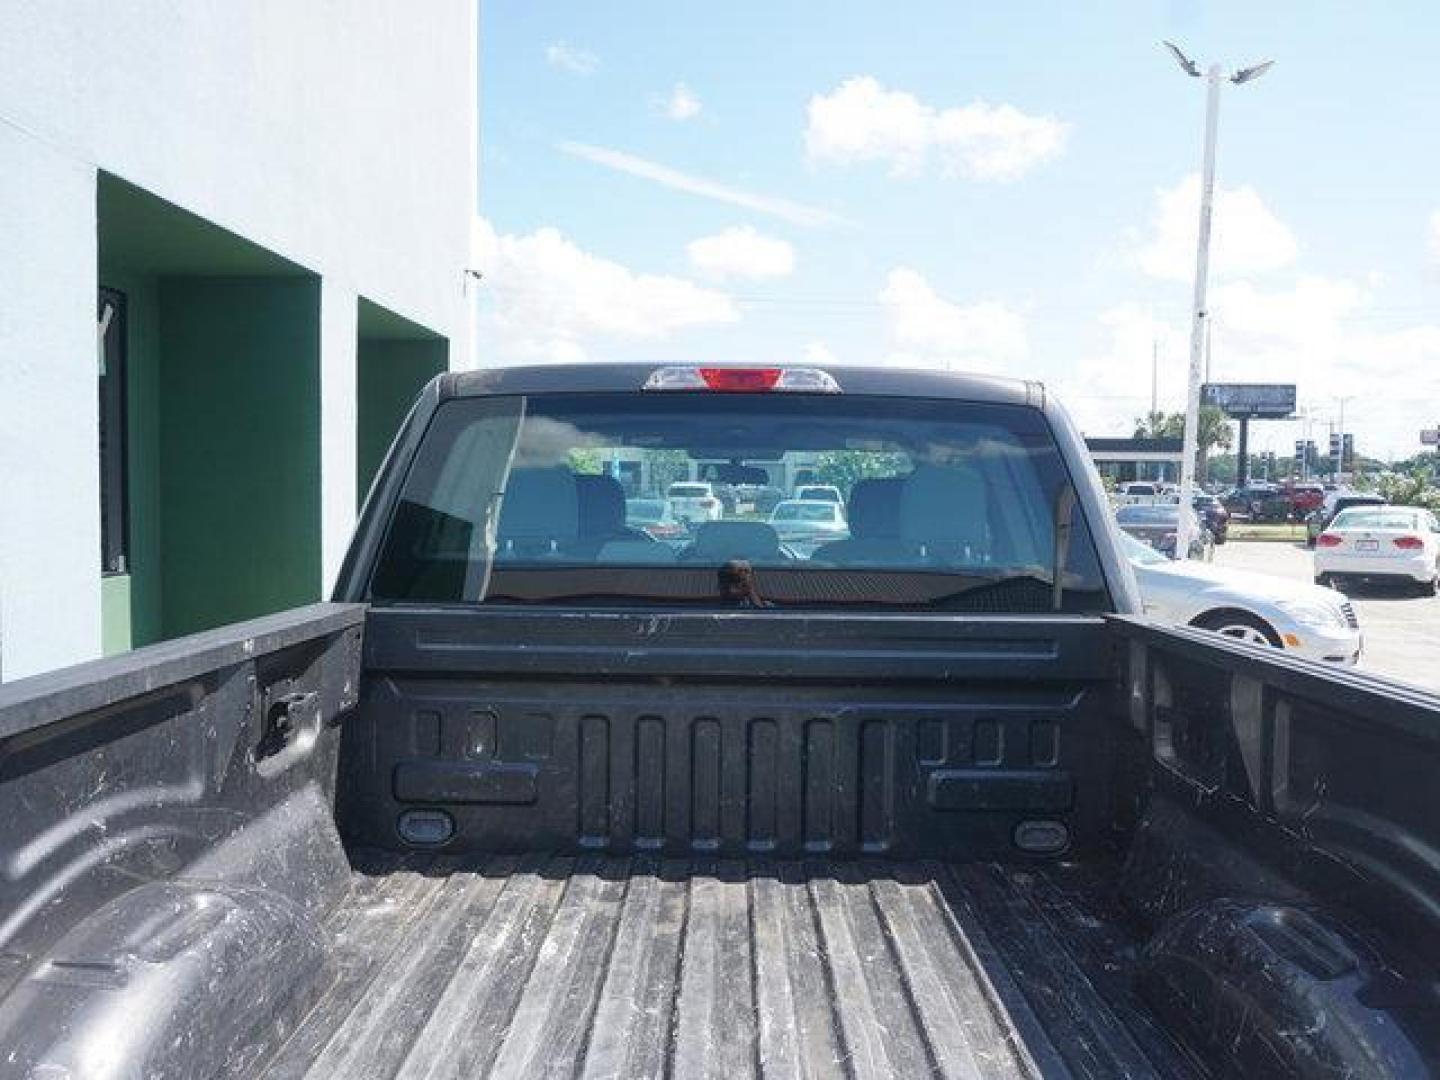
1373 519
944 505
805 511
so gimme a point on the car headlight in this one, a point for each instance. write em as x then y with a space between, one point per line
1310 614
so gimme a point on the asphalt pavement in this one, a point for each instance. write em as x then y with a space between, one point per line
1402 630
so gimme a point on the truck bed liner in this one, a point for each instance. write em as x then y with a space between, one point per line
531 966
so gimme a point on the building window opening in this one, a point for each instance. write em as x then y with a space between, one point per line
114 480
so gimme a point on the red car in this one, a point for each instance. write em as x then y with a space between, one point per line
1305 499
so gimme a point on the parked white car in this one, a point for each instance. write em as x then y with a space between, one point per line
1308 620
1396 543
819 493
692 501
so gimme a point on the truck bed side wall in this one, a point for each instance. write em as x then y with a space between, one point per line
169 848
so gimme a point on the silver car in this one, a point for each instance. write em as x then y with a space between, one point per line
1307 620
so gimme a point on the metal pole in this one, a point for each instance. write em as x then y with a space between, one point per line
1154 378
1197 329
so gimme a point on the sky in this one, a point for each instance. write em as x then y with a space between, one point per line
983 187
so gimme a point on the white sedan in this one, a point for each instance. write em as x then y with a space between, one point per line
1391 542
1308 620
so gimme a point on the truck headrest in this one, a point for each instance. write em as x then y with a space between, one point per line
601 505
540 504
874 510
940 505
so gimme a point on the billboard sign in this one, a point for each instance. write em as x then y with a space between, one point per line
1430 437
1246 400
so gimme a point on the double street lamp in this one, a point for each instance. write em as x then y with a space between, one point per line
1215 76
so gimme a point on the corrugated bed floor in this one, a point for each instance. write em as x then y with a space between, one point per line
613 968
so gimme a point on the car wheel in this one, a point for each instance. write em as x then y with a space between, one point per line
1242 626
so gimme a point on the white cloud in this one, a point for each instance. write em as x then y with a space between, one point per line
680 104
793 212
567 57
819 354
930 331
863 121
1246 238
547 299
1312 332
741 252
1110 391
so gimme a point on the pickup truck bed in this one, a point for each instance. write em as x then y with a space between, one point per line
525 966
809 863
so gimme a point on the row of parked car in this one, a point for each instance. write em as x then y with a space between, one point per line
814 515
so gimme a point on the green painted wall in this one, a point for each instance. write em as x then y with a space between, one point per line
239 448
142 599
389 376
115 636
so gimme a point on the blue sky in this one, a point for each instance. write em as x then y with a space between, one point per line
961 185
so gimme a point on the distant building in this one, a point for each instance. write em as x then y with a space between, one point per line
233 243
1124 460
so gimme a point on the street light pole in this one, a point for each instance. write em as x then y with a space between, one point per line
1191 446
1199 322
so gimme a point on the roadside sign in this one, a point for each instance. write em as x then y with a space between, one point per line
1430 437
1251 400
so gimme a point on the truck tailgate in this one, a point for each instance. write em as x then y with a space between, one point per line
530 965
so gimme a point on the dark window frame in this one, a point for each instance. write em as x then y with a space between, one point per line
112 371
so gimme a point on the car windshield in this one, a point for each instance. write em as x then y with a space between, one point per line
951 505
804 511
1166 513
1365 518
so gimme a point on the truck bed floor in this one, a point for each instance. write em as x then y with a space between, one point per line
539 966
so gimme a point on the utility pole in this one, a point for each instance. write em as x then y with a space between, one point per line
1154 377
1200 323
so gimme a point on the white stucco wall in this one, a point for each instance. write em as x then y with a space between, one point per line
337 133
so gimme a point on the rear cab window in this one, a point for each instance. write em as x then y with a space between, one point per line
944 505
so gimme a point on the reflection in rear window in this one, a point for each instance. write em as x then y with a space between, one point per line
945 505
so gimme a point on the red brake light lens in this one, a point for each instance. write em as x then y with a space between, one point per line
1409 543
740 380
1328 540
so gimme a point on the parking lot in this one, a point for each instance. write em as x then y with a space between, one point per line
1402 630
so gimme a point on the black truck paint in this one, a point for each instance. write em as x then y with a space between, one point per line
725 843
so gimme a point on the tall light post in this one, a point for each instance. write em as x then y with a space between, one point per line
1214 76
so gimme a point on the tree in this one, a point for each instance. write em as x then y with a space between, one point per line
843 468
1214 432
1214 428
585 461
1409 489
